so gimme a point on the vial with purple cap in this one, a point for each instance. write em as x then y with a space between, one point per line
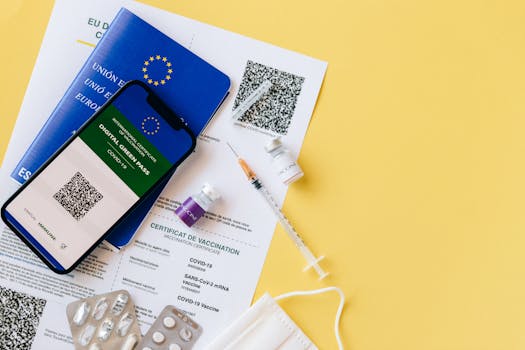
193 208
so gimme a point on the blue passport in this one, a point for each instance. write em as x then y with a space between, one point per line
131 49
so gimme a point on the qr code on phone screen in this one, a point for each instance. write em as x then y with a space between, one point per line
19 317
275 109
78 196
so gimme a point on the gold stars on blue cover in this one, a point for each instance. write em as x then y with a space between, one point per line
157 70
150 125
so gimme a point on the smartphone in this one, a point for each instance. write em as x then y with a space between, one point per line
93 182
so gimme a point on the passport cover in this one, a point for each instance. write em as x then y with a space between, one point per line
130 49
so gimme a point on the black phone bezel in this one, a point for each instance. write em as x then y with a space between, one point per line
155 101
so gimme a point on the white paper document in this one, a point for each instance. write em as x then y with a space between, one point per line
210 270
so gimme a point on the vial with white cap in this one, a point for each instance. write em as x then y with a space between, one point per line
193 208
283 162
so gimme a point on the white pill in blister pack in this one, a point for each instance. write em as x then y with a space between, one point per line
119 304
87 334
104 322
95 347
100 309
81 314
130 342
124 324
173 330
169 322
105 329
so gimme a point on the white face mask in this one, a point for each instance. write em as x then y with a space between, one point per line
266 326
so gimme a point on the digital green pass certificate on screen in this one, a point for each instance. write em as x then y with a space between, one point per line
97 178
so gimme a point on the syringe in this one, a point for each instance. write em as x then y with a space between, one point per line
313 262
251 100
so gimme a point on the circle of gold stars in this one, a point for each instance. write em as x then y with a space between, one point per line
155 130
161 59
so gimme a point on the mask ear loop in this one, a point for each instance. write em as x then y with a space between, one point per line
319 291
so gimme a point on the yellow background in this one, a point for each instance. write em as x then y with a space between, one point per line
414 185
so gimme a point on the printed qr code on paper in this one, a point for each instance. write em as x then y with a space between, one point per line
275 109
78 196
19 317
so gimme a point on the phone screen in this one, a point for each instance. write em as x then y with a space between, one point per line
113 161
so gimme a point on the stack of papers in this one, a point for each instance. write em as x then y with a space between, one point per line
211 270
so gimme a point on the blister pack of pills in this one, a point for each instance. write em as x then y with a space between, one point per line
172 330
104 322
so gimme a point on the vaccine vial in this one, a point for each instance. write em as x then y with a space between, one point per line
283 162
193 208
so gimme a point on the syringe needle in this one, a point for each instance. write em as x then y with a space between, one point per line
313 262
234 152
245 105
250 174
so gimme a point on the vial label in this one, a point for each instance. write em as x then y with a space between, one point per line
189 212
287 169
